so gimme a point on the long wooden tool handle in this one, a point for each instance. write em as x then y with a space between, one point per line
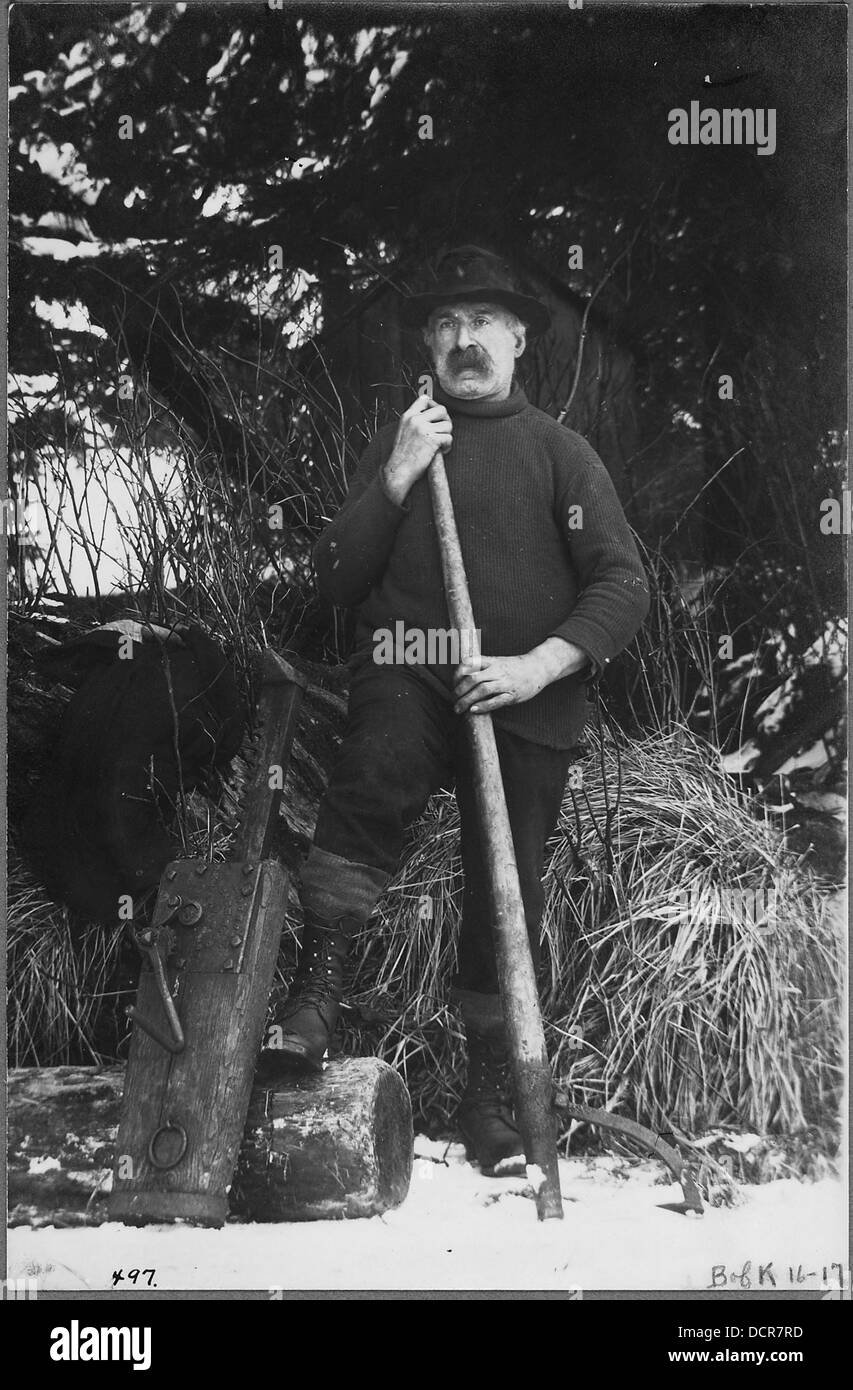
531 1072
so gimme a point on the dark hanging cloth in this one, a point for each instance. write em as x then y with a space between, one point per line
153 714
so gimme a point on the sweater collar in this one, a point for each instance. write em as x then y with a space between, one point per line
512 404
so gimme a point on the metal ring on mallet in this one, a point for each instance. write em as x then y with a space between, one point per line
529 1066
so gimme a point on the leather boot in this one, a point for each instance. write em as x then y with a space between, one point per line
485 1117
299 1038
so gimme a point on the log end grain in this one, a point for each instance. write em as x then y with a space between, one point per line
329 1147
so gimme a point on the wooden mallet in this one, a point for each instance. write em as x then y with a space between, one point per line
529 1066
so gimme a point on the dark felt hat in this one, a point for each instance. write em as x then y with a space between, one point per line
470 274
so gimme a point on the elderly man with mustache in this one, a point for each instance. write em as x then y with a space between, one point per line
557 589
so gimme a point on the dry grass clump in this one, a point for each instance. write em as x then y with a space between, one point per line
657 998
61 978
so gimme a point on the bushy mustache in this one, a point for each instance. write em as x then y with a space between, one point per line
471 356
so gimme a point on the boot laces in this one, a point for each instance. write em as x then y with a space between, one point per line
315 979
489 1076
488 1092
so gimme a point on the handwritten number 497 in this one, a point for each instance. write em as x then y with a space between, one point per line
133 1275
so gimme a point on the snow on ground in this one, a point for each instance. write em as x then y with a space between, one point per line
459 1230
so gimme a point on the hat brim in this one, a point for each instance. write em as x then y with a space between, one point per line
417 308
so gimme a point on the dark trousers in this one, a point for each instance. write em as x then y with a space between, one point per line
402 743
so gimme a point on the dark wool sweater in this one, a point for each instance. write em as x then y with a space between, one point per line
515 475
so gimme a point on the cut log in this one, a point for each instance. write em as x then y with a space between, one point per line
339 1145
62 1124
336 1145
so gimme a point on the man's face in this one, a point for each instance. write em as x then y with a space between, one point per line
474 349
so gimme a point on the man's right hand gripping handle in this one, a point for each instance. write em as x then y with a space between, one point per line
423 429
